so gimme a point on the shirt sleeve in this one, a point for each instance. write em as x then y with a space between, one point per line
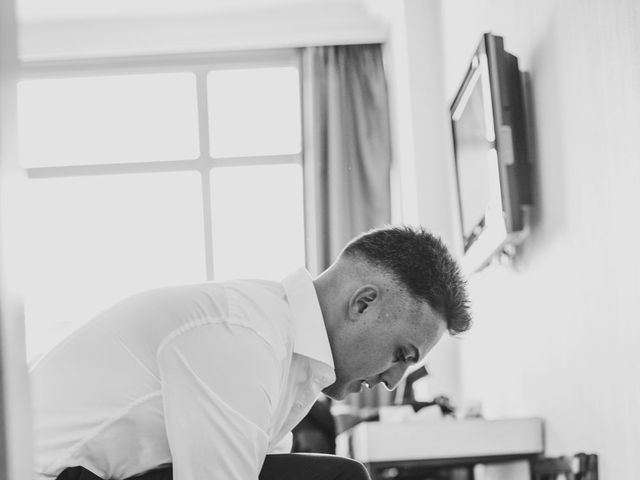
220 385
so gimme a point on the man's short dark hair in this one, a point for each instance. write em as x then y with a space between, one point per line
422 264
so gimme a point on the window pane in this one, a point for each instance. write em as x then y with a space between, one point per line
93 240
258 228
114 119
254 112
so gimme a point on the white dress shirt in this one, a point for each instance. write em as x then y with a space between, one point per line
208 377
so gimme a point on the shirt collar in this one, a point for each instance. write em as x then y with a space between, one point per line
310 332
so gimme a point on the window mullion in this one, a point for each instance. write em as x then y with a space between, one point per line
205 168
258 160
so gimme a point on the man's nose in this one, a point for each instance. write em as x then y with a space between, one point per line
391 378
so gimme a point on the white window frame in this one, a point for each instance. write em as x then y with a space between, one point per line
198 64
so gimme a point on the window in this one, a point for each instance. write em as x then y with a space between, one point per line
108 119
242 109
244 200
141 175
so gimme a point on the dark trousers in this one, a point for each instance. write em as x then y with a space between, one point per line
286 466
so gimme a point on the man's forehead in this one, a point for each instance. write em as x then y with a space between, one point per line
418 313
433 326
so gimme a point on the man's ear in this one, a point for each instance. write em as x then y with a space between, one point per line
362 300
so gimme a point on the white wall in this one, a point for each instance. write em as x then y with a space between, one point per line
559 334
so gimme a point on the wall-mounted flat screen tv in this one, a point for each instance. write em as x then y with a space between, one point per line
491 155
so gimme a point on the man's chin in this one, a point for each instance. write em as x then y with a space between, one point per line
335 392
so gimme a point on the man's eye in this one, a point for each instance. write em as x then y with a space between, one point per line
400 357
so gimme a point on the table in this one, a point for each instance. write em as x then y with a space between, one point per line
397 450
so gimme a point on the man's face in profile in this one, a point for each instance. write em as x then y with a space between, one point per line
388 334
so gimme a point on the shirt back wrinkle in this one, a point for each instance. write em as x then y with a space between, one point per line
119 414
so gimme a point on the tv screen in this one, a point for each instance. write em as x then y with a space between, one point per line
491 161
474 144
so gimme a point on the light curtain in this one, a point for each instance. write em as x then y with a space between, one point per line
347 155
